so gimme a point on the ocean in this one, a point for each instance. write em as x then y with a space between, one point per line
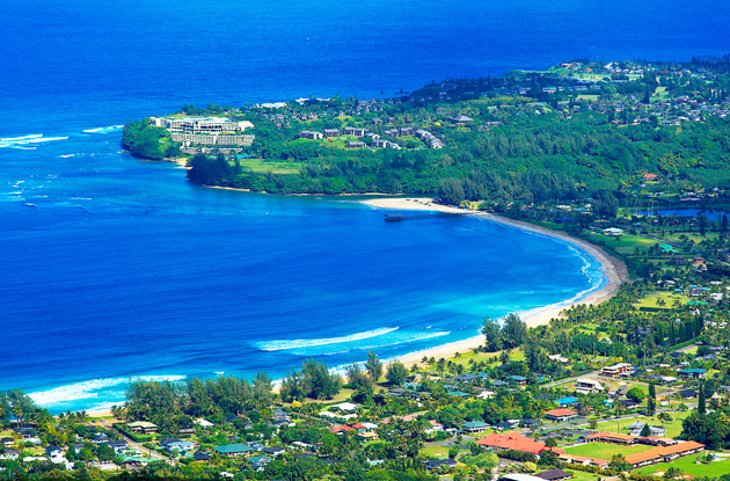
115 268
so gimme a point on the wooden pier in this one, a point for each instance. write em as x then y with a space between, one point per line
403 218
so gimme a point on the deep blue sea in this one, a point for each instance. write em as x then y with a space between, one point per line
115 268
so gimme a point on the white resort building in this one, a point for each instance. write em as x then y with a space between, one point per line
207 134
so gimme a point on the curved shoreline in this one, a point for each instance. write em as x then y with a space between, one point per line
614 271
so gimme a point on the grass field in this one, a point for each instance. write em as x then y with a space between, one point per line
265 166
605 451
627 244
582 476
674 427
669 299
688 465
440 452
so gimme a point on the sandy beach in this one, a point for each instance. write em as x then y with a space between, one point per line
613 269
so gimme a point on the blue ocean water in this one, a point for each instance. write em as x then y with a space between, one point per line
115 268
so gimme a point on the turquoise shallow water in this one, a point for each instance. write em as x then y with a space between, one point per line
115 268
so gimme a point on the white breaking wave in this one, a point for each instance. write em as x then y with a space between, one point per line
67 156
288 344
90 389
104 130
18 142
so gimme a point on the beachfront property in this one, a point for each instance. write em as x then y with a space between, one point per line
203 135
143 427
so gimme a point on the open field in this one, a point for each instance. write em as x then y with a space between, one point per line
674 427
662 299
605 450
689 465
265 166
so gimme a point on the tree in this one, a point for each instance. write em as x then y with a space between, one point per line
396 374
492 332
635 394
358 379
320 383
646 430
651 400
702 402
374 366
514 331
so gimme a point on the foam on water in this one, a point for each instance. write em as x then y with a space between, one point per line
25 140
104 130
92 389
284 345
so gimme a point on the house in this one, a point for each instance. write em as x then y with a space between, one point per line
118 446
693 373
100 438
518 380
199 456
663 454
613 232
235 449
258 463
688 394
379 144
330 133
356 131
310 134
567 401
636 428
461 120
588 386
505 425
203 423
628 404
582 460
55 454
616 370
9 455
435 427
616 438
650 177
143 427
347 407
519 477
554 475
436 464
350 144
176 445
273 450
560 415
474 427
514 441
7 442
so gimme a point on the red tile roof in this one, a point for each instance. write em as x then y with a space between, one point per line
514 441
660 452
558 413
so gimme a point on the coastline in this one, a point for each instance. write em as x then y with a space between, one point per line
614 271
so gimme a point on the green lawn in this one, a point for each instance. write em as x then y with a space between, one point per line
669 298
674 427
689 465
605 451
440 452
265 166
582 476
627 244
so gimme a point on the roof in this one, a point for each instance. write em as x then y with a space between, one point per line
553 474
234 448
142 424
558 413
662 451
512 440
475 424
607 435
462 118
519 477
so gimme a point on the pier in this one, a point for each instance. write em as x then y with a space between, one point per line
403 218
